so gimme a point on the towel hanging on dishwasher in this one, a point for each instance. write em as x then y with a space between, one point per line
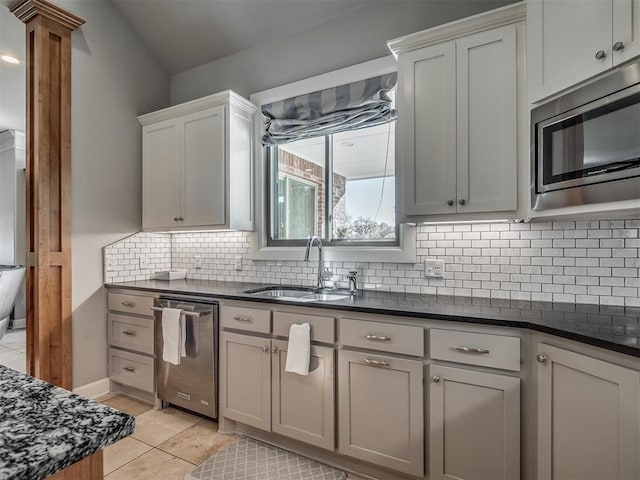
174 335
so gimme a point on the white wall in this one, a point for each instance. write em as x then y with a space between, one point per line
13 86
114 79
354 38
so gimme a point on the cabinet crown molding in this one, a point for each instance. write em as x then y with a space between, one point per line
12 139
499 17
28 9
221 98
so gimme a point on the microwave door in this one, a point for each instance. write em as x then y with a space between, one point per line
598 142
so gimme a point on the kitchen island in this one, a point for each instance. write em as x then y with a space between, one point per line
46 430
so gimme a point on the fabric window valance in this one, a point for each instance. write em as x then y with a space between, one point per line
353 106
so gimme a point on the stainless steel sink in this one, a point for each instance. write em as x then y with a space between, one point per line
299 294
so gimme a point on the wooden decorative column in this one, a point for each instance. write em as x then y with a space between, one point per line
48 189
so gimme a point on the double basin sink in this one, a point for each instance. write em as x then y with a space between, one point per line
299 294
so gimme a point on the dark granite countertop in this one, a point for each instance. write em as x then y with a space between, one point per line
611 327
44 428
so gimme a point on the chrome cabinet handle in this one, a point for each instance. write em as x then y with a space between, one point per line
129 332
274 349
265 349
541 358
378 338
242 318
376 363
128 304
129 369
462 201
600 54
435 379
188 313
479 351
450 203
618 46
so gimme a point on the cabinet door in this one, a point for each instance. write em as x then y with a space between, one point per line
204 168
302 407
381 410
161 175
426 141
588 417
487 121
245 379
626 30
474 425
563 37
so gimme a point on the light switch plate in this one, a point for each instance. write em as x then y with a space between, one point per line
197 261
433 268
144 262
237 262
109 262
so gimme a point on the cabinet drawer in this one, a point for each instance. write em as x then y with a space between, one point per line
123 302
485 350
386 337
322 328
243 318
131 369
133 333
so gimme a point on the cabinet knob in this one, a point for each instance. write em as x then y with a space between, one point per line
450 203
462 201
435 379
181 219
175 219
274 349
265 349
618 46
600 54
541 358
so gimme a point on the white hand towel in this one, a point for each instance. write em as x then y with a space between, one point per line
173 336
299 349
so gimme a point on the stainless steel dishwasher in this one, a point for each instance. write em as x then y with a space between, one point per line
193 384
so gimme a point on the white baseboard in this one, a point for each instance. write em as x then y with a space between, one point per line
94 389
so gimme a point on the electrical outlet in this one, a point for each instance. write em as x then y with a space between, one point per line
144 262
109 263
237 262
433 268
198 261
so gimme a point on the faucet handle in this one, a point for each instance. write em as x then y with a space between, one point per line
352 274
327 274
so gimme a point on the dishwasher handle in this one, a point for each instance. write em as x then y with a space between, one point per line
186 312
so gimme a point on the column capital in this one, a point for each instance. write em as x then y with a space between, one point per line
29 9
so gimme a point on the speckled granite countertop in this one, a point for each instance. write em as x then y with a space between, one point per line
44 429
611 327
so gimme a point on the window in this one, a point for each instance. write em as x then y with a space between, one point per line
340 187
362 187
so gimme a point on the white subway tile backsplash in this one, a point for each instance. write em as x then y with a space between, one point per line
584 261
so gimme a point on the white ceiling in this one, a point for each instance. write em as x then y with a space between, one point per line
186 33
356 155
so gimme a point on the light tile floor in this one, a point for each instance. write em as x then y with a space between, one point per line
166 444
13 350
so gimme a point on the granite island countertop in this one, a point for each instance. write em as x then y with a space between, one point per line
44 428
611 327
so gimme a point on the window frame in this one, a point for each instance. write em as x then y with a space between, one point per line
405 249
329 239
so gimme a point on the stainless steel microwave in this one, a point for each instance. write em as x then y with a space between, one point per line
585 146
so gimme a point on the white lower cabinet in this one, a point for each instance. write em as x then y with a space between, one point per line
245 379
474 425
302 407
588 417
256 391
381 409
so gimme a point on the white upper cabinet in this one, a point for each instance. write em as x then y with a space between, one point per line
460 122
196 165
570 41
